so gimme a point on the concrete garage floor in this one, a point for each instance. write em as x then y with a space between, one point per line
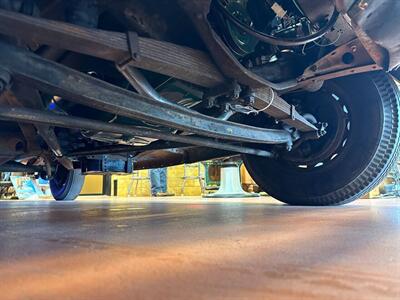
197 249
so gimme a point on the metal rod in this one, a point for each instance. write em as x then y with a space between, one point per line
116 149
18 167
140 83
173 157
25 115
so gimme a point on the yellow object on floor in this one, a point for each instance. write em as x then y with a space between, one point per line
174 181
93 185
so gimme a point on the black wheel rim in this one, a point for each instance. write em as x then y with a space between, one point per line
327 105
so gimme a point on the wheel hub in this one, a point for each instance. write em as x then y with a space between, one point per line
329 106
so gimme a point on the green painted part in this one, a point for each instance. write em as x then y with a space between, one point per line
244 42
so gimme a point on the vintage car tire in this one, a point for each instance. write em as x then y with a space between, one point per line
360 162
396 73
66 184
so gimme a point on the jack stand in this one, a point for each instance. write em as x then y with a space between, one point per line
230 186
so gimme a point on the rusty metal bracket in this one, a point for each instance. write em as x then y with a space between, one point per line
292 114
133 45
375 22
345 57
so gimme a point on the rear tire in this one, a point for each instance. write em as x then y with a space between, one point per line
66 185
355 156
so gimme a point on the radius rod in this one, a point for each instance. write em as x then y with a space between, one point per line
78 87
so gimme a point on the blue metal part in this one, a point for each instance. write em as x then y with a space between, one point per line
107 164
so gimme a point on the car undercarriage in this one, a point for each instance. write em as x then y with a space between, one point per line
305 92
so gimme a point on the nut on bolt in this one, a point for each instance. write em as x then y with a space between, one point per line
322 129
363 5
250 98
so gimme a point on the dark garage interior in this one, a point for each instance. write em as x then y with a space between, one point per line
205 149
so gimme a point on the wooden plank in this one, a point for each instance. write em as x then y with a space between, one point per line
268 101
184 63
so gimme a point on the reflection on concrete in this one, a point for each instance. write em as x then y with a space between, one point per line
195 248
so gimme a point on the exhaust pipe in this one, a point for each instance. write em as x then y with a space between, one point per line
177 156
